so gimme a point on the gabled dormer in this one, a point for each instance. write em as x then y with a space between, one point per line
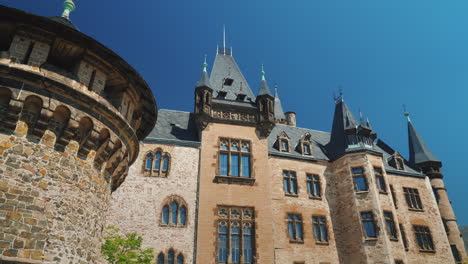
283 142
397 161
304 146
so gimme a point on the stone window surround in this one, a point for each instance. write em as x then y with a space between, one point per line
291 180
301 222
181 203
243 220
369 220
404 238
413 199
159 173
327 242
426 232
165 252
312 181
379 172
305 140
397 161
358 175
391 219
228 179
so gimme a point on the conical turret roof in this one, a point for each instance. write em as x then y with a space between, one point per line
418 150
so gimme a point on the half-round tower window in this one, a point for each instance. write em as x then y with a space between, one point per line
5 97
31 111
165 215
161 258
180 259
149 161
170 256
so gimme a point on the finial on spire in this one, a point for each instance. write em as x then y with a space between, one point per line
338 98
406 113
204 64
224 37
68 7
263 74
276 88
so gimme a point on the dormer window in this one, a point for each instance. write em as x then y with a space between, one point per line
228 81
241 97
222 94
306 148
397 162
284 145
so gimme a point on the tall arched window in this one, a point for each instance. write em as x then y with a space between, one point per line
170 256
183 215
174 211
180 259
149 161
165 215
161 258
157 163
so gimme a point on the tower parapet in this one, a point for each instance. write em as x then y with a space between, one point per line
72 113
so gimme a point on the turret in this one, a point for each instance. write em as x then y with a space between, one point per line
265 104
420 157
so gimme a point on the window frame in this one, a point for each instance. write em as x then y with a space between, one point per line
359 175
370 220
291 181
325 225
403 237
239 153
380 180
311 181
244 220
390 226
423 235
168 202
152 171
294 223
413 199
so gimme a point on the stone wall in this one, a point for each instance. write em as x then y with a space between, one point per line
137 205
310 251
52 204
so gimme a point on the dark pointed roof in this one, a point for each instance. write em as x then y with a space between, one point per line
343 120
226 67
204 80
264 89
418 150
279 113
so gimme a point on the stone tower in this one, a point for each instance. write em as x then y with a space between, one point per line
423 159
72 113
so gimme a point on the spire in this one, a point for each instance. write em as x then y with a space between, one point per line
344 124
279 113
204 79
368 124
224 50
361 120
264 89
68 7
418 150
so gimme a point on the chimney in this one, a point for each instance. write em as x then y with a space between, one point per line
291 118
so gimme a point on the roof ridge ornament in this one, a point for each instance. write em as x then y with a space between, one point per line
340 97
205 64
68 7
224 50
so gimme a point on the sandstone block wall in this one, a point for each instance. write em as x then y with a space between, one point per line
137 205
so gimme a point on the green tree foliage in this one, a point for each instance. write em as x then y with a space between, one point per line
125 249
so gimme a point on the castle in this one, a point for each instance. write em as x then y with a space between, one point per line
83 146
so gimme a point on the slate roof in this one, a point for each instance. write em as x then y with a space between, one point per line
318 141
343 119
264 89
279 112
63 21
387 152
174 125
418 150
204 80
226 67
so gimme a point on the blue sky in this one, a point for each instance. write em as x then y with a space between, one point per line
382 53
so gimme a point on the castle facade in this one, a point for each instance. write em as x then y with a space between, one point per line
83 146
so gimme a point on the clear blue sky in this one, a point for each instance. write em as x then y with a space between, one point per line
383 53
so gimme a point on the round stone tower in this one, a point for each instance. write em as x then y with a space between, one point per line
72 113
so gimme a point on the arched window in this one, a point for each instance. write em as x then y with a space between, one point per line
5 97
170 257
31 112
149 161
165 215
180 259
161 258
157 162
59 120
174 212
183 215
